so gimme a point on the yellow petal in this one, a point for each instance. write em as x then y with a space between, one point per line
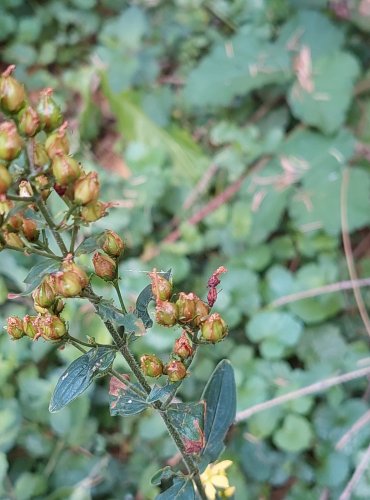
229 491
220 481
210 491
221 466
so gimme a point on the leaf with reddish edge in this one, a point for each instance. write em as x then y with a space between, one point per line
188 418
123 400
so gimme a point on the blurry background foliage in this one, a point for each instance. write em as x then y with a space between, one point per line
180 100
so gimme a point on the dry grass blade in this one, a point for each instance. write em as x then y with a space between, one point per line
347 492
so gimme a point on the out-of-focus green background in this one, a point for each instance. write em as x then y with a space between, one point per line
181 104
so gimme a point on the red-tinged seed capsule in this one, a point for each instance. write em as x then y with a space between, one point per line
69 265
5 206
186 307
111 243
57 143
214 328
105 267
93 211
13 240
15 327
51 327
12 93
86 189
183 347
67 284
175 371
40 156
44 295
5 180
10 141
161 287
66 170
14 223
28 121
151 365
57 307
166 313
29 326
49 112
30 231
201 312
42 185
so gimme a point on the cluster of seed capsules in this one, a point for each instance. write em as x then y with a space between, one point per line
68 282
190 312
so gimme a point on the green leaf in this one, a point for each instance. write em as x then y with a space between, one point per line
123 400
162 474
89 244
188 419
244 63
325 104
280 326
295 434
130 322
158 392
79 375
144 299
37 273
220 397
182 489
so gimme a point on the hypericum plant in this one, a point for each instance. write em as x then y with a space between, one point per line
34 161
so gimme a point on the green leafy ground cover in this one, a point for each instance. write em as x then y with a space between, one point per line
271 98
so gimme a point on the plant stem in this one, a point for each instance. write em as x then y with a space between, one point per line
13 197
35 251
117 288
48 218
74 236
81 342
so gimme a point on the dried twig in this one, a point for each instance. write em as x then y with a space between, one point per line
347 492
320 386
354 429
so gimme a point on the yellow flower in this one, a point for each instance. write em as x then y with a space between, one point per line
214 478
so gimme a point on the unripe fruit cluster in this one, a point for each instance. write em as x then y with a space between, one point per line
105 266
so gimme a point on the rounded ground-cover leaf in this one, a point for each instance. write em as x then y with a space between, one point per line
79 375
295 434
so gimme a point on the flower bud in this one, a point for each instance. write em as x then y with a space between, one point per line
42 185
25 189
67 284
175 371
201 312
104 266
14 223
44 295
5 180
69 265
29 229
93 211
10 141
65 169
151 365
183 347
40 157
28 121
15 327
186 306
161 287
13 240
111 244
57 143
86 189
214 328
12 93
29 326
51 327
166 313
49 112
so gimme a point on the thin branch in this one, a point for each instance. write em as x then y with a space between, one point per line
354 429
315 388
29 250
348 251
347 492
320 290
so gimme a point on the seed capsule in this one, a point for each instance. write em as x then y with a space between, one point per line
51 327
13 240
186 307
10 141
12 93
183 347
214 328
42 184
166 313
28 121
40 157
49 112
29 326
111 244
161 287
57 143
175 371
29 229
69 265
93 211
44 295
15 327
105 267
86 189
201 312
67 284
65 169
5 180
151 365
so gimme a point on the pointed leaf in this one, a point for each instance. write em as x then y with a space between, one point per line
158 392
182 489
37 273
89 244
162 474
130 322
220 397
79 375
143 300
188 418
124 401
